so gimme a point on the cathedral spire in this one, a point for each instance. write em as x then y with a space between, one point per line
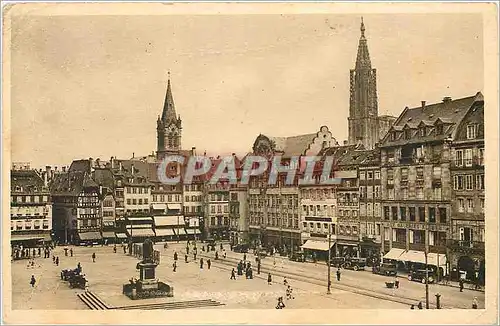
363 57
169 107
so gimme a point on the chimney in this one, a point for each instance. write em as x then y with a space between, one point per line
112 161
423 104
64 169
98 162
345 142
46 175
133 155
193 150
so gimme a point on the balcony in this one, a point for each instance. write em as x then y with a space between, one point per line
462 244
468 163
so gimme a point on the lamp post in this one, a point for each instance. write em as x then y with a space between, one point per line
329 256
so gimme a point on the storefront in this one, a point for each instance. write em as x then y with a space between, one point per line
317 249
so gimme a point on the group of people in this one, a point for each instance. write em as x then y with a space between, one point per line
29 253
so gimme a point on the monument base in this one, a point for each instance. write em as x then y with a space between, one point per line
145 289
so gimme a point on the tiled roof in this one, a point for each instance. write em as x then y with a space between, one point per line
293 146
449 113
28 180
72 183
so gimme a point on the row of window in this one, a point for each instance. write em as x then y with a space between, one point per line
467 205
193 198
436 238
405 193
192 209
318 210
193 187
219 221
139 201
466 157
137 190
318 194
218 197
161 198
369 175
29 225
29 199
90 222
415 214
466 182
369 192
258 220
219 208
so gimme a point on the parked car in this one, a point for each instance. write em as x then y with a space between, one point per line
242 247
337 261
388 269
419 276
298 256
355 263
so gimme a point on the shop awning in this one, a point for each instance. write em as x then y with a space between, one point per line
179 231
108 234
317 245
169 220
90 236
164 232
157 207
394 253
193 231
26 237
347 243
413 256
108 223
121 235
174 206
140 218
142 233
432 259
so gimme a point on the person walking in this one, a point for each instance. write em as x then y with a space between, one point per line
474 303
71 252
233 274
420 306
93 257
412 306
269 279
175 255
461 285
338 274
66 251
33 281
209 263
285 282
124 249
224 255
201 263
187 249
175 265
221 247
39 252
114 249
258 267
194 255
57 261
186 258
396 283
245 257
216 255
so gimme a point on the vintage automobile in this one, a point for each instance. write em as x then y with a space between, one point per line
385 269
419 276
355 263
298 256
242 247
337 261
77 281
66 274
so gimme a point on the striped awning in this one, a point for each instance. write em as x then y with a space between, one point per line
164 232
168 220
141 233
121 235
26 237
193 231
179 231
108 234
90 236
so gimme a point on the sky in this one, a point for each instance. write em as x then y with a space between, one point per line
93 86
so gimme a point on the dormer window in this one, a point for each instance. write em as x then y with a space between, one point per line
471 131
393 135
439 129
422 132
407 134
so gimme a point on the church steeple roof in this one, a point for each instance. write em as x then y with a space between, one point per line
168 113
363 57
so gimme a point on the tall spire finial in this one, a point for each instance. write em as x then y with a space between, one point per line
168 75
362 27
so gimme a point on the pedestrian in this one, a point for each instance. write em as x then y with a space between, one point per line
420 306
175 255
32 281
269 279
194 255
461 284
114 249
71 252
258 268
209 263
203 248
221 248
39 252
412 306
280 304
396 283
79 268
57 261
201 263
233 275
124 249
66 251
285 282
338 274
54 259
175 266
93 257
216 255
186 258
245 257
187 249
474 303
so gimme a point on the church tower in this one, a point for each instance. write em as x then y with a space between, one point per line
363 107
169 126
